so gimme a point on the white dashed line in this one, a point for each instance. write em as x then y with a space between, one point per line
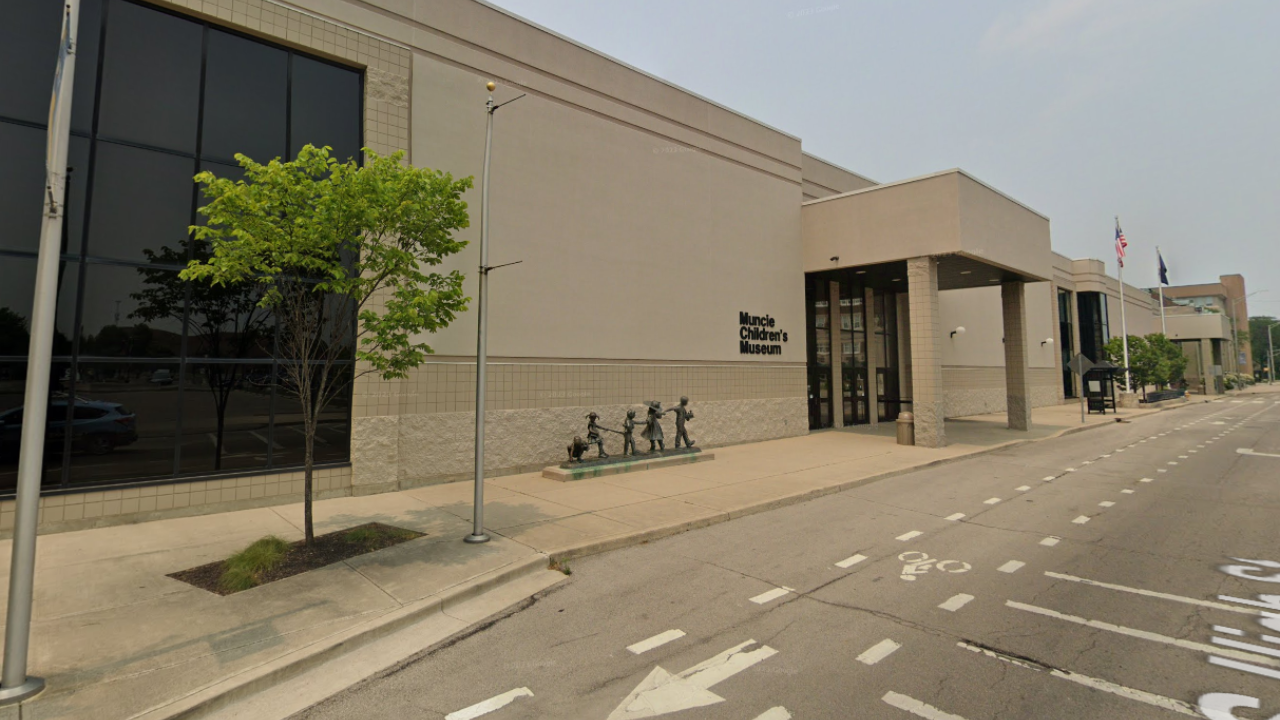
1162 470
1172 462
1146 480
1227 630
955 517
878 652
956 602
1023 488
1106 503
1050 541
1012 566
656 641
851 561
487 706
991 501
1047 479
1182 457
773 594
917 708
1127 491
1081 520
908 536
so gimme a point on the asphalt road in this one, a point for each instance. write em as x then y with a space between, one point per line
1086 577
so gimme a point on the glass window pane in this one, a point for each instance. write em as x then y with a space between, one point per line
17 290
13 378
225 418
141 202
29 36
21 185
226 322
333 429
325 109
86 80
151 78
246 89
131 312
124 422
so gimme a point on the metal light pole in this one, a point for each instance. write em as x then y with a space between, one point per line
15 684
478 534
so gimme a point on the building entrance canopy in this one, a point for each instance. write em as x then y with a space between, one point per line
980 236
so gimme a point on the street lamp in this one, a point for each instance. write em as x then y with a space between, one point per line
482 331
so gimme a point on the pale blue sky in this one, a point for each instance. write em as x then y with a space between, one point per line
1164 112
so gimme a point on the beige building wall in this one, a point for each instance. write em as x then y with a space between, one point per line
823 178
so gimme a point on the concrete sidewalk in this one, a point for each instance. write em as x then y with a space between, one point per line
115 638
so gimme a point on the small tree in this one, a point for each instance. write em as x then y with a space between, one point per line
1142 364
1170 361
338 251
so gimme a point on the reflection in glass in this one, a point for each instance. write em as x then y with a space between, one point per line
124 420
325 108
333 428
151 78
13 379
226 417
131 312
21 185
28 40
141 201
245 99
16 293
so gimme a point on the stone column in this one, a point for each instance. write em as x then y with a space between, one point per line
1206 367
1016 376
926 351
875 357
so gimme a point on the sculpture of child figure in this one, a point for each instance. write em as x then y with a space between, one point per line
628 434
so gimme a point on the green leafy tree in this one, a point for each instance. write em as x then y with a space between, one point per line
341 254
1170 361
1142 364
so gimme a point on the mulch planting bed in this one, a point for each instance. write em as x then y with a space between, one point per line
325 550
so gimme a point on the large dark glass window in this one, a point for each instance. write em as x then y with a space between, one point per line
152 377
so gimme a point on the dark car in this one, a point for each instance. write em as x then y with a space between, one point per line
97 427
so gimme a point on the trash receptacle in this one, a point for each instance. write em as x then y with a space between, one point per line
906 429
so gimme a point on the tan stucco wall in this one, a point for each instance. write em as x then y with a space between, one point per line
823 178
978 311
981 390
1198 326
1001 230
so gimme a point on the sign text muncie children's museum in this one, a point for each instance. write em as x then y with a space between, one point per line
757 336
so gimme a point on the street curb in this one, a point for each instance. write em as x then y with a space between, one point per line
218 696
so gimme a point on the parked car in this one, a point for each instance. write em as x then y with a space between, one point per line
163 376
97 427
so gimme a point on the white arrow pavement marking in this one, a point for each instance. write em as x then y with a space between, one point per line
773 594
1142 696
661 692
776 713
956 602
488 706
917 708
1249 451
656 641
1144 635
878 652
851 561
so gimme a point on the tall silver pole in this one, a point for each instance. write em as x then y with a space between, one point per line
15 684
482 356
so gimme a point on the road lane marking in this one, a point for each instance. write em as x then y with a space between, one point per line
1146 480
1249 451
909 536
1172 462
772 595
956 602
656 641
1141 696
955 517
851 561
878 652
1081 520
1245 646
1087 462
991 501
1227 630
917 708
487 706
1182 457
1142 634
1106 504
662 692
774 713
1162 470
1023 488
1070 470
1049 478
1152 593
1128 491
1050 541
1012 566
1246 667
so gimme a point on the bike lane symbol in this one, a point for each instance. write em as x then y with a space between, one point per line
918 563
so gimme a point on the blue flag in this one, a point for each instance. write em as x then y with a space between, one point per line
1164 271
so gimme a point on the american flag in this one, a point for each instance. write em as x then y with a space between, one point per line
1121 244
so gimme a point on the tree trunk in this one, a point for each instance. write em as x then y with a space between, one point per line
310 428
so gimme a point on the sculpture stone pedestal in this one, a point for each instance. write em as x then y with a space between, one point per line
618 464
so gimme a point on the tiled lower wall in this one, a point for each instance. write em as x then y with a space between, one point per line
981 390
100 508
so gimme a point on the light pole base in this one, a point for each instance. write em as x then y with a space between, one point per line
27 690
476 538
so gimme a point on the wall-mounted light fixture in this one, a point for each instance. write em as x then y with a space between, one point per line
835 258
1046 341
958 331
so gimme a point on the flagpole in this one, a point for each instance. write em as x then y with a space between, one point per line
1124 325
1163 330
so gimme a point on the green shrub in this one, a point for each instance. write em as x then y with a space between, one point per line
245 569
363 536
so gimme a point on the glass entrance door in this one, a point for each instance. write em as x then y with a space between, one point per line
818 318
